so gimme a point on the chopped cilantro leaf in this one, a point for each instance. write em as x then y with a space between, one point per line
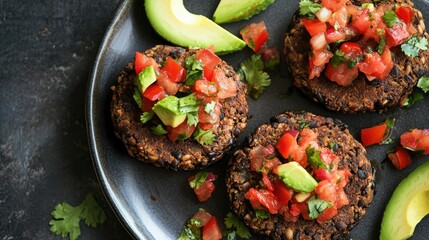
313 157
209 107
251 71
262 214
302 124
338 58
194 70
308 7
192 118
232 221
158 130
423 83
317 206
198 180
390 18
413 45
137 97
66 218
381 45
191 231
189 103
146 117
204 137
412 99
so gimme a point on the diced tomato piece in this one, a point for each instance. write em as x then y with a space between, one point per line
286 144
320 58
204 192
361 21
307 137
339 17
314 26
203 216
270 57
332 35
328 157
271 164
318 41
352 10
416 140
397 34
255 35
211 230
313 70
282 192
321 174
351 50
334 5
227 85
405 13
175 71
342 198
326 191
295 209
373 135
342 74
181 132
400 158
257 158
263 197
142 61
147 104
211 117
267 182
209 61
327 214
154 92
205 88
170 87
288 217
341 177
373 66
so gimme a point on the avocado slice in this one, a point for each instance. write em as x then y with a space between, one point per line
407 206
167 110
145 78
233 10
296 177
176 24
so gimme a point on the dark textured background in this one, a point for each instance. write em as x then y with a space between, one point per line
47 50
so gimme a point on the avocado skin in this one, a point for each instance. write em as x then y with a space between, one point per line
177 25
233 10
394 224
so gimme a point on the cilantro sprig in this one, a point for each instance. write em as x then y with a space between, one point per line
308 7
251 72
198 180
231 222
390 18
413 45
317 206
66 218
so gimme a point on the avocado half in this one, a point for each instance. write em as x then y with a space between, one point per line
407 206
176 24
233 10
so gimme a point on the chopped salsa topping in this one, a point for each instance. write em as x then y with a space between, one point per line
378 134
182 100
298 178
203 185
348 39
202 225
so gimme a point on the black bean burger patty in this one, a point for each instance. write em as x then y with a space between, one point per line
362 95
359 190
159 150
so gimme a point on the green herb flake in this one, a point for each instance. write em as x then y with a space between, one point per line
209 107
189 103
137 97
413 45
194 70
423 83
231 221
158 130
191 231
198 180
262 214
381 45
302 124
146 117
412 99
390 18
66 218
204 137
338 58
308 7
251 72
351 64
313 157
317 206
192 118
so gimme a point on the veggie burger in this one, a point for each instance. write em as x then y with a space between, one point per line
357 56
301 176
178 108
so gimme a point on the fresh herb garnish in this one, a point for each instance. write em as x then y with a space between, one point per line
423 83
308 7
251 72
209 107
390 18
413 45
204 137
231 221
317 206
158 130
189 103
313 157
192 118
338 58
137 97
412 99
262 214
67 218
381 45
302 124
194 70
198 180
191 231
146 117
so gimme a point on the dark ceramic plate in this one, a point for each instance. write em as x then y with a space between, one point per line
154 203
